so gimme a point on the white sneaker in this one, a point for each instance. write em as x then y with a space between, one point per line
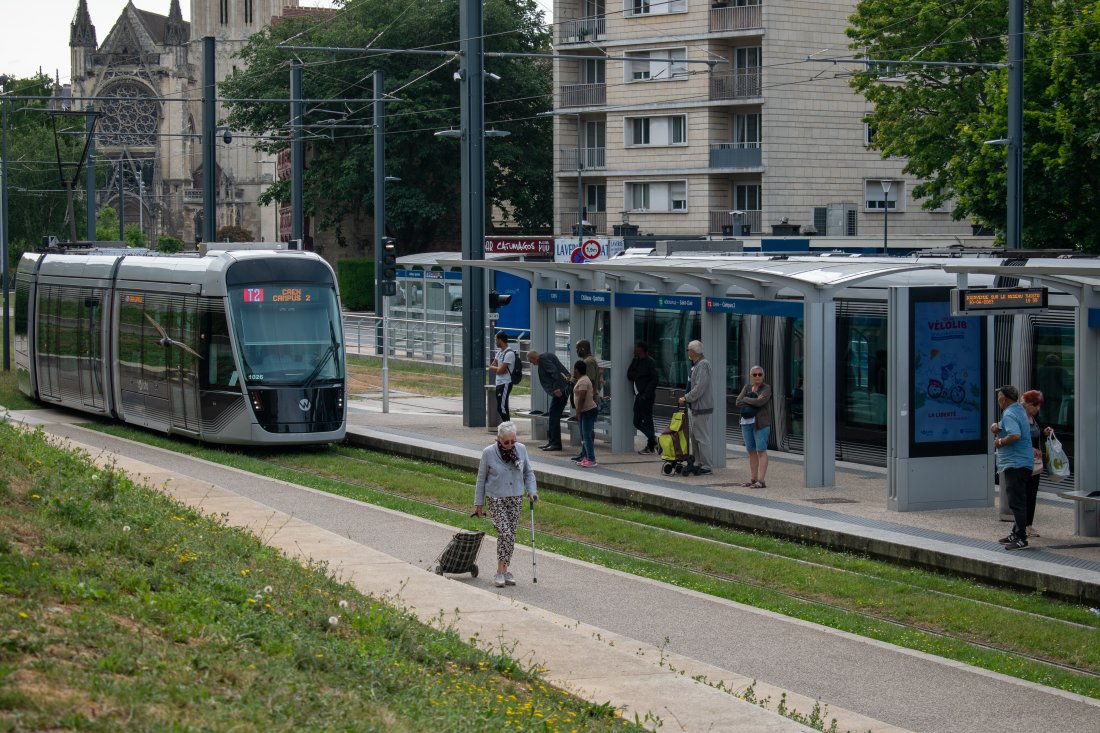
508 579
499 580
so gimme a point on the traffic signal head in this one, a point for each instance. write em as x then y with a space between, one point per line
496 300
389 259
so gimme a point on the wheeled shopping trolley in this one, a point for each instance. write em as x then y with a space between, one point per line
460 554
675 443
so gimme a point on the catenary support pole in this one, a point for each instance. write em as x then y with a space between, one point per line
297 151
120 174
209 128
89 174
4 225
472 73
379 184
1015 224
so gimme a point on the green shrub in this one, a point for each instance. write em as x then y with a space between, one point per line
168 244
356 278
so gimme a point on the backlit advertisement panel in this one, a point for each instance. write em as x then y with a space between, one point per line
949 396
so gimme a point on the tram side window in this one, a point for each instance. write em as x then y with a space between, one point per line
796 360
734 375
668 334
130 320
863 393
1053 374
221 370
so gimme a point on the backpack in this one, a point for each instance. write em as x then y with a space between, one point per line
517 369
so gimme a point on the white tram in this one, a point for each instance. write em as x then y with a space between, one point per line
237 347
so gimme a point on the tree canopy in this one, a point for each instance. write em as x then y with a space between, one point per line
340 161
939 118
36 199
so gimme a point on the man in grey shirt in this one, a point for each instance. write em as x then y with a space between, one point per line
700 399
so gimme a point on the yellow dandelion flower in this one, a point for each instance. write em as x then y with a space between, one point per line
22 614
245 572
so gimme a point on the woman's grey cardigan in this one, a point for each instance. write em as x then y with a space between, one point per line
498 479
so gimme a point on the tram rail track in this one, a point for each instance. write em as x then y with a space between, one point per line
731 579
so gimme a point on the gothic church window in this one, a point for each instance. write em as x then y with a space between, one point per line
130 117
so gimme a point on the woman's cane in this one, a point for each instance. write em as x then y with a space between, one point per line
534 565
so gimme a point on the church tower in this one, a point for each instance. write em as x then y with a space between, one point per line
234 20
82 41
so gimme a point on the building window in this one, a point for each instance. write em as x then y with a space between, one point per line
746 130
656 131
224 10
656 65
595 198
636 8
248 11
882 194
595 71
746 197
657 196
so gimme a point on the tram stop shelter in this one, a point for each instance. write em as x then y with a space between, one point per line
1080 280
712 286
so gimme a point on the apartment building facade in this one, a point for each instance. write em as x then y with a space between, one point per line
699 109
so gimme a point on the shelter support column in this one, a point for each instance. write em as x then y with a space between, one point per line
622 391
819 393
713 332
543 322
1086 413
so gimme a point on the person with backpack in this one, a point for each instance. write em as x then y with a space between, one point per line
504 366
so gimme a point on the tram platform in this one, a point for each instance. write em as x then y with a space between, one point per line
852 515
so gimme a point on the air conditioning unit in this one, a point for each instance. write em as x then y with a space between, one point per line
836 220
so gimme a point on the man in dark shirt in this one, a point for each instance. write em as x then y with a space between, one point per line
642 373
554 378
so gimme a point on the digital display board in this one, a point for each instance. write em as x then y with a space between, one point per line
998 301
275 296
947 377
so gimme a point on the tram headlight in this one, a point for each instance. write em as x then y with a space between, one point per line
257 403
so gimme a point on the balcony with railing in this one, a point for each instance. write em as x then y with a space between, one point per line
580 30
735 155
583 95
596 222
591 159
735 84
721 222
737 18
192 195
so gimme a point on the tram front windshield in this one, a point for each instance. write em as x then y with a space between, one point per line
288 335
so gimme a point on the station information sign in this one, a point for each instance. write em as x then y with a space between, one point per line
998 301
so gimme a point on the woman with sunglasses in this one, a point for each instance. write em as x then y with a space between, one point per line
503 476
755 404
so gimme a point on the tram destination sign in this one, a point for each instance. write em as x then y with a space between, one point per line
998 301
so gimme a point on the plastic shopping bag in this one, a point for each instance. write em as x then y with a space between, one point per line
1056 459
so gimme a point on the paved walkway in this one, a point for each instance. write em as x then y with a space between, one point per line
606 635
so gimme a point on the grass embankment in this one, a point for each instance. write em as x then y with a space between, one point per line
428 380
955 618
123 610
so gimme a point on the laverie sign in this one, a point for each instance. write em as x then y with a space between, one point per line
588 249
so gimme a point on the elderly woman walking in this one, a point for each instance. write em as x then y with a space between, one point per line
503 476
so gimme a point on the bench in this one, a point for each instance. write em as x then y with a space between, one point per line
1086 512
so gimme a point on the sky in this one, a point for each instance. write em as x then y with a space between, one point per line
34 34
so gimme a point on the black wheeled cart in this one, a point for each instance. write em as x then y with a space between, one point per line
460 554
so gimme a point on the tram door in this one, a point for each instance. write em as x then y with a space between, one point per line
182 364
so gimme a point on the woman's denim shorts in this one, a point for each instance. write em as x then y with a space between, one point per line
756 439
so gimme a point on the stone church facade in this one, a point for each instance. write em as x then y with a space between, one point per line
148 131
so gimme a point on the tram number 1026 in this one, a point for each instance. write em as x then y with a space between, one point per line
285 295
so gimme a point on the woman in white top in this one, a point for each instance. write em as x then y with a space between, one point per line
504 475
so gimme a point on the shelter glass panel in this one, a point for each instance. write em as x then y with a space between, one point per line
1054 374
862 393
796 361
